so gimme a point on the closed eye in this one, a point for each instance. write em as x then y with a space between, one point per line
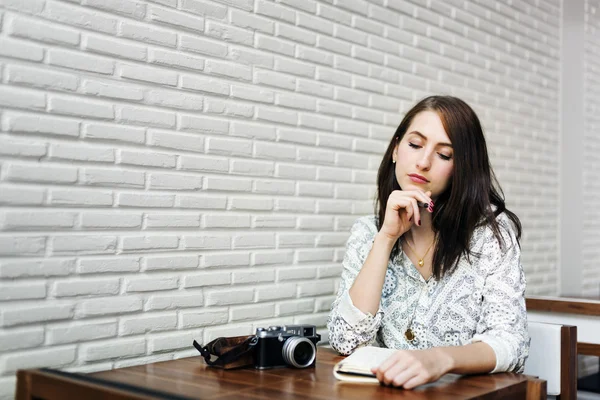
414 146
444 157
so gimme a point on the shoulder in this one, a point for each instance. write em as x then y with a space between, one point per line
363 230
484 234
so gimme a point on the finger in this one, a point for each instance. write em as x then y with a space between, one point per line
405 376
414 382
388 362
397 369
417 213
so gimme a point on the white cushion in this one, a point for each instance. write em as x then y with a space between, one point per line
544 354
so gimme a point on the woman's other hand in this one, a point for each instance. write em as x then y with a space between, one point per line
411 368
402 211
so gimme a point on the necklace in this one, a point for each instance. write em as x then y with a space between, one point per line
409 334
421 259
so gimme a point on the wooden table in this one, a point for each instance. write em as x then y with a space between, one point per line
190 378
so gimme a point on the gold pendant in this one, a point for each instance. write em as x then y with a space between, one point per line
409 334
421 263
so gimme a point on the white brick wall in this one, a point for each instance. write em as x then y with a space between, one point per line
187 169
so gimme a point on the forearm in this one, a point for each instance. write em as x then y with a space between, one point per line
474 358
366 289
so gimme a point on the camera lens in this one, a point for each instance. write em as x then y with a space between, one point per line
299 352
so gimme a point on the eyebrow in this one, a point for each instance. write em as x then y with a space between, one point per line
425 138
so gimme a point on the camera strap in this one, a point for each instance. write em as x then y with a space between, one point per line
231 352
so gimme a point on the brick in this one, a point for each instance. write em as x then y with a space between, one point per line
296 240
255 168
149 159
274 45
229 297
120 348
30 7
20 98
207 85
22 291
251 277
275 11
315 288
268 221
153 284
32 173
207 8
109 177
277 115
295 34
175 300
110 220
38 313
208 47
81 153
172 221
334 45
17 339
332 239
333 76
294 67
206 164
170 263
36 220
242 203
88 244
33 268
81 332
226 221
112 90
315 88
337 207
291 171
86 287
277 292
230 147
251 21
171 341
254 241
80 108
81 62
260 311
19 196
146 116
32 29
274 187
174 181
174 140
275 79
201 202
229 108
194 319
119 48
272 257
145 200
226 260
207 279
228 33
147 323
312 255
148 74
229 70
80 198
316 156
126 8
251 57
192 123
137 243
22 148
174 59
207 242
109 305
176 19
52 357
80 17
295 205
108 265
43 79
21 50
295 307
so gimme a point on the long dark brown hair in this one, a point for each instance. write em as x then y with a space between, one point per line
473 190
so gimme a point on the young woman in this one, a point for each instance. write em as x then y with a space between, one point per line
436 272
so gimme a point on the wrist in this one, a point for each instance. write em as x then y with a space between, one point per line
385 240
446 359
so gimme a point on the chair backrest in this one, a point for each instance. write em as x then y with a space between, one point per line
553 357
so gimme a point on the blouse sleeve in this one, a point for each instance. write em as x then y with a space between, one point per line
350 328
503 320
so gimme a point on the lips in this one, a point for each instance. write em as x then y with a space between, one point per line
418 178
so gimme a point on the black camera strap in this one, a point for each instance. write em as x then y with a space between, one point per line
231 352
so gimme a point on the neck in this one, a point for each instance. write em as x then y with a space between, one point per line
423 233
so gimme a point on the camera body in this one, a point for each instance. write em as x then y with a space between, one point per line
280 346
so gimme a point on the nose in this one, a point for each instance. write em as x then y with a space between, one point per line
424 163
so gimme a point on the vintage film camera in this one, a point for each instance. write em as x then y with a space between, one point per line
280 346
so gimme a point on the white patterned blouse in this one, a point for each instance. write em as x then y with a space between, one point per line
482 300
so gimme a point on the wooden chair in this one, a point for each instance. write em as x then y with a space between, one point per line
553 357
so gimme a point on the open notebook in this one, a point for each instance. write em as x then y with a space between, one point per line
357 366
